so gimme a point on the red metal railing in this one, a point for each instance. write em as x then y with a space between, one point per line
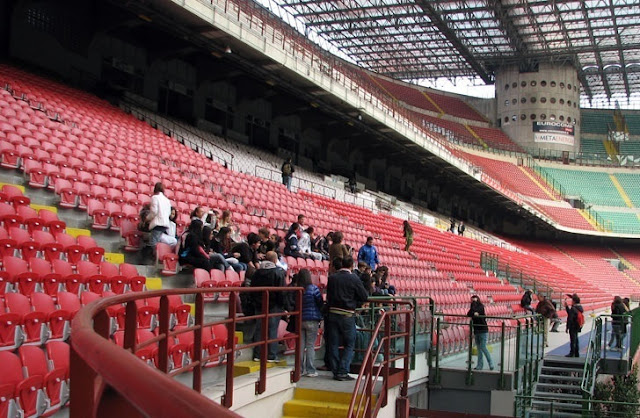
108 380
392 324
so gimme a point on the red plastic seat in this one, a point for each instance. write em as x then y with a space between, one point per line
72 250
33 322
168 258
91 249
28 248
134 238
98 213
69 302
25 390
20 275
54 381
58 319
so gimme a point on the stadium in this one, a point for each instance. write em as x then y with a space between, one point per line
303 208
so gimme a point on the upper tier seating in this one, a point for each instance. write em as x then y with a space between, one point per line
630 148
630 182
621 221
594 148
594 186
512 176
596 122
115 146
428 100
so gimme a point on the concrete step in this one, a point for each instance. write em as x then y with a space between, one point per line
318 409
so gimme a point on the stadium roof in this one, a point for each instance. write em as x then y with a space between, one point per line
422 39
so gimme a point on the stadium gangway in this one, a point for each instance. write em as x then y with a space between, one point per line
297 183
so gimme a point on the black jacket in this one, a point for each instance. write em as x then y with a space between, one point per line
345 291
572 317
247 254
479 323
618 309
269 277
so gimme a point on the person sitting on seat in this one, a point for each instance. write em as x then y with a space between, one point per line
217 260
525 302
222 245
304 243
291 246
191 249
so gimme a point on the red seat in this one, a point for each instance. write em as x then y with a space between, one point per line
28 248
18 270
168 258
72 250
93 251
25 391
129 231
68 193
58 319
69 302
98 213
33 323
54 382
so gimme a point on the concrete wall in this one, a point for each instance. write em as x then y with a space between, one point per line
550 95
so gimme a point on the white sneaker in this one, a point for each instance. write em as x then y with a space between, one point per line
311 374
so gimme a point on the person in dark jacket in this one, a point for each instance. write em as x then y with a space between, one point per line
618 309
246 252
216 260
268 275
573 327
337 250
191 250
525 302
345 293
311 316
480 331
287 170
546 309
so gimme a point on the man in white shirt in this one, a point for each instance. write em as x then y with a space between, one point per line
159 218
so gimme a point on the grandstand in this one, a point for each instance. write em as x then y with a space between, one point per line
84 299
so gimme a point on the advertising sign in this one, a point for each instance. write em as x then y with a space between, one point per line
553 133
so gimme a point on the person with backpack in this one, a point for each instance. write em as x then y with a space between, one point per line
525 302
575 322
618 310
287 173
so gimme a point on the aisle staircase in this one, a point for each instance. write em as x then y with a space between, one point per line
318 403
558 392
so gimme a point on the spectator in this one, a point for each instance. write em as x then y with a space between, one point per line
143 225
337 250
573 324
345 293
525 302
461 228
291 246
158 217
546 310
173 220
268 275
368 283
225 220
211 219
304 244
245 252
480 331
382 281
407 233
369 254
287 173
452 226
301 221
266 244
320 244
216 260
618 310
353 183
192 250
362 267
222 245
311 316
198 213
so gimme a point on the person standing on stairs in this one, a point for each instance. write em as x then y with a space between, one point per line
480 331
618 309
574 312
287 170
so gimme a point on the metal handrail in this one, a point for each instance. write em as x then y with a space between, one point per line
133 385
371 369
314 187
589 370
